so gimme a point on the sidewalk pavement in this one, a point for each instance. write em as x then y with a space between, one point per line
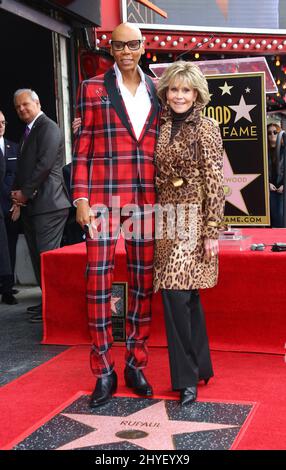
20 348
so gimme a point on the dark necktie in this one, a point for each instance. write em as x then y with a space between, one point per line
27 132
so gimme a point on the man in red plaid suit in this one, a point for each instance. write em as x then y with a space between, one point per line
113 166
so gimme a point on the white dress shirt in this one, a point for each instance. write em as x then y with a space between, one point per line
30 125
139 105
2 145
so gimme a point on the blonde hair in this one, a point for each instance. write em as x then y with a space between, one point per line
187 72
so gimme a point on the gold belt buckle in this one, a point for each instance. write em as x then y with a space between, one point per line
177 182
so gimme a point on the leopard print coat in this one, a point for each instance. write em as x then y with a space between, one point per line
196 156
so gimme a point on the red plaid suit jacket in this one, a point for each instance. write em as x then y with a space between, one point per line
108 159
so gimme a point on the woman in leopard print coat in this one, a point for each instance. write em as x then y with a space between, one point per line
189 161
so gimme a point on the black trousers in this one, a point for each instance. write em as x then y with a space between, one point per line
43 232
12 229
188 345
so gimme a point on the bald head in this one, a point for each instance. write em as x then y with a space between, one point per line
129 30
127 48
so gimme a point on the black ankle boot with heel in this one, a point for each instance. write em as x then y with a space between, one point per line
188 395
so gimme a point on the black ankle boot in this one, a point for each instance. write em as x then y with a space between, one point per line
188 395
104 389
135 379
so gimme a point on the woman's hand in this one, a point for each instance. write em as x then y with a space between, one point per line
211 248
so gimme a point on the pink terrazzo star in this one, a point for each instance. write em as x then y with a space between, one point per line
153 420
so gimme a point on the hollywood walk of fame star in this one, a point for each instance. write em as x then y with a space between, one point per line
226 89
234 183
242 110
151 424
114 301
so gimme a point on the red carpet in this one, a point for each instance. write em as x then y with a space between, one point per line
31 400
244 312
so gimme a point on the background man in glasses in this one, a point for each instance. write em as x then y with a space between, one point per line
113 157
8 158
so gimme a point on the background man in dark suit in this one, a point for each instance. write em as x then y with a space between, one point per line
8 153
39 186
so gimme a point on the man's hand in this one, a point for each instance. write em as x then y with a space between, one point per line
15 212
272 187
18 198
280 189
83 215
76 125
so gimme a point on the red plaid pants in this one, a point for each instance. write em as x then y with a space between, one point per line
100 269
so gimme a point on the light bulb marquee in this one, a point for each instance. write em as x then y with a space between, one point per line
167 40
170 41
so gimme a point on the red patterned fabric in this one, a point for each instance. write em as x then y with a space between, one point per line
100 270
110 162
